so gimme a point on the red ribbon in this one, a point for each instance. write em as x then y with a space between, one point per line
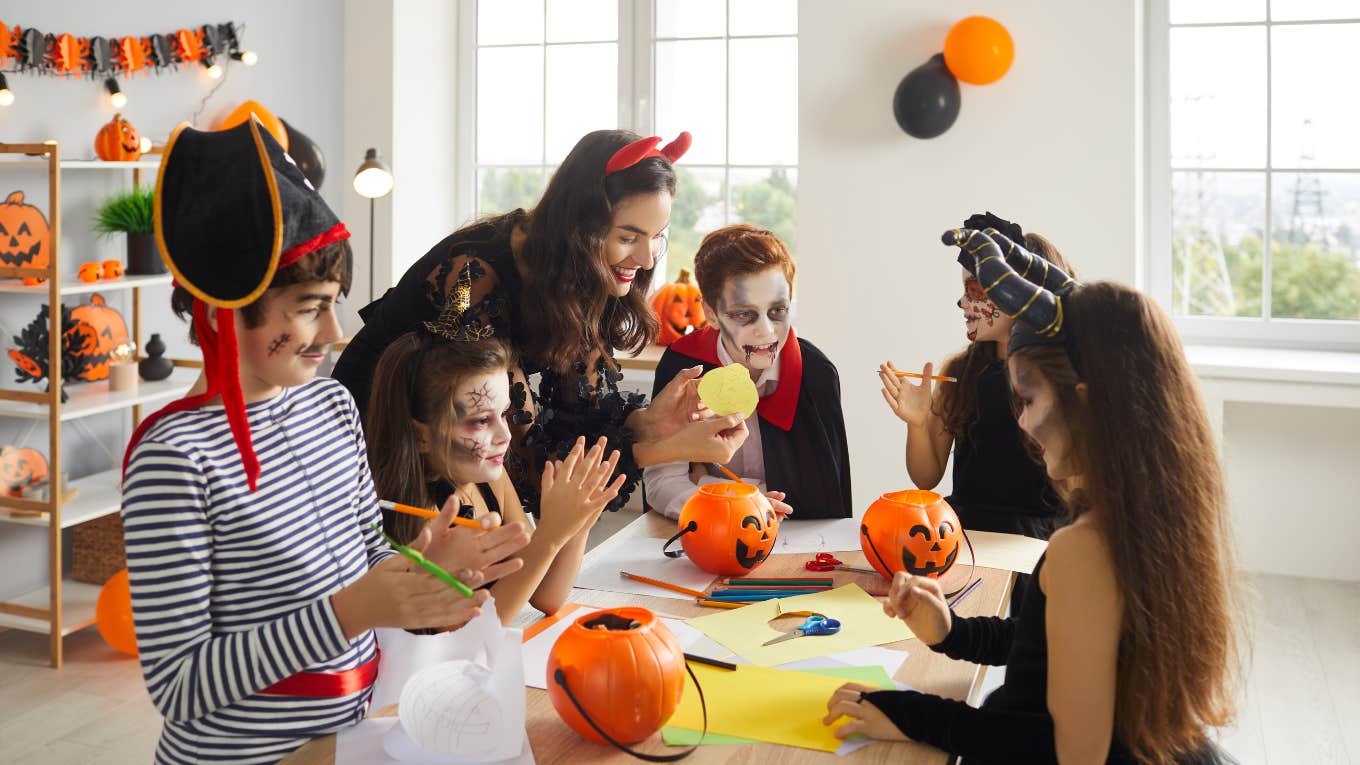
326 684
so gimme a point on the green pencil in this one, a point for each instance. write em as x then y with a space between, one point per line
428 565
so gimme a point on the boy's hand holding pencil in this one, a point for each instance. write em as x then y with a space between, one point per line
452 545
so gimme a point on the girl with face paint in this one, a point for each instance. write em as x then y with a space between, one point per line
998 485
438 437
796 452
1126 648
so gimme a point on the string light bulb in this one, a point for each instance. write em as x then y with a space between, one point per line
117 97
6 95
145 145
214 69
247 57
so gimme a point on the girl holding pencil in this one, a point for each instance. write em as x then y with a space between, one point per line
1125 648
438 433
998 484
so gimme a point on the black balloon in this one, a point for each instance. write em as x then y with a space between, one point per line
306 154
927 100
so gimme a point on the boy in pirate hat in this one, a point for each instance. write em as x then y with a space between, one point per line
256 566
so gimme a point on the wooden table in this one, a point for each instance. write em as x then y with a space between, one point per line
554 742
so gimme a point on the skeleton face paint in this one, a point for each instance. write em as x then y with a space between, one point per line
981 318
1041 418
754 318
475 435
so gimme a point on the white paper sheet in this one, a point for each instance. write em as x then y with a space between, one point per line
835 535
645 559
1008 552
890 660
362 744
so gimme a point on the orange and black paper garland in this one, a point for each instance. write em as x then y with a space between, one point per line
66 55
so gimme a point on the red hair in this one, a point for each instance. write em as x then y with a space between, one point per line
738 250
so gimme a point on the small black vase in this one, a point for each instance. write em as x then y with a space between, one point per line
155 366
142 257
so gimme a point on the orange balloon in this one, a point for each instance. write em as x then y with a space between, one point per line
113 614
271 123
979 50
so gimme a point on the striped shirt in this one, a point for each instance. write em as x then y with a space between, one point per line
230 589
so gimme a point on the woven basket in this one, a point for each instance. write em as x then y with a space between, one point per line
97 549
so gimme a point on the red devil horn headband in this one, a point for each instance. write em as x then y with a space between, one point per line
643 148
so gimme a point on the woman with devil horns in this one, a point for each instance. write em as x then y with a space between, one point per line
565 284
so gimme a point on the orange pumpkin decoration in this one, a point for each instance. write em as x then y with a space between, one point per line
25 239
680 308
19 469
271 123
112 269
914 531
89 272
726 528
113 614
623 668
98 330
118 141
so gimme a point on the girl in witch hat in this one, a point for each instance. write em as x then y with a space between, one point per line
256 565
1124 649
566 285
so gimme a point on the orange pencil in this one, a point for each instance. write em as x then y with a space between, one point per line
662 585
397 507
919 376
728 473
720 603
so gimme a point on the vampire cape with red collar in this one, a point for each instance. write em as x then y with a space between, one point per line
802 429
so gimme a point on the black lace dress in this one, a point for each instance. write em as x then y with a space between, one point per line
546 419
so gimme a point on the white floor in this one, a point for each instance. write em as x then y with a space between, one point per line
1303 689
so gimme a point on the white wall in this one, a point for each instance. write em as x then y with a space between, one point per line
299 76
1052 145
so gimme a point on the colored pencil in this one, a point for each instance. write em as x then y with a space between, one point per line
919 376
720 664
753 598
720 603
421 512
799 580
428 565
662 585
809 587
966 592
750 594
728 473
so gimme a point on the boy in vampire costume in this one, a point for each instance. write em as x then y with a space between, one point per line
797 452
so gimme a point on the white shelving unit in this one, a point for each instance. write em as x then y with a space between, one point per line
64 606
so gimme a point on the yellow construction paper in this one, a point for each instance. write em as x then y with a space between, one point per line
728 390
775 705
863 623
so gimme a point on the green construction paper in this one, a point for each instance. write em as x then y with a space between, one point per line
867 675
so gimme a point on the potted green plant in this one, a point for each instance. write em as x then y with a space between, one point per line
133 213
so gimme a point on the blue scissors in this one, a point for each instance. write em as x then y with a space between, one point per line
814 625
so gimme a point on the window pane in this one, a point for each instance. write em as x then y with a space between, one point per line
697 210
1218 99
768 198
1218 224
691 87
510 106
763 17
1312 124
504 188
764 101
1199 11
583 93
1301 10
500 22
583 20
1315 248
690 18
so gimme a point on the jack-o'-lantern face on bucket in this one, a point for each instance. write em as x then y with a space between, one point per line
755 538
727 528
931 551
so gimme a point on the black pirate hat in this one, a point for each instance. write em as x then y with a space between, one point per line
231 209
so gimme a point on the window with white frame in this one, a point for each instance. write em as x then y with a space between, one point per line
550 71
1256 179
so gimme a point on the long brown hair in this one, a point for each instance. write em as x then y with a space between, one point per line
568 300
957 403
1147 458
399 472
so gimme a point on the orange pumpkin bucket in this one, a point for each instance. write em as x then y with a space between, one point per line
914 531
616 676
726 529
